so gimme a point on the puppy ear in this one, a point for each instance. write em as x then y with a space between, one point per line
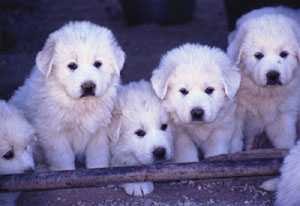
118 58
115 126
44 58
160 79
232 81
234 49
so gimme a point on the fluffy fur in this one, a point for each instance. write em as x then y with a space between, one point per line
72 121
264 105
286 11
289 181
183 80
16 138
139 109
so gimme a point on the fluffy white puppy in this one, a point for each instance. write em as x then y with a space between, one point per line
70 94
16 138
267 51
197 85
140 132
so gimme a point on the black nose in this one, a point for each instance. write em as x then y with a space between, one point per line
159 153
197 114
273 78
28 171
88 89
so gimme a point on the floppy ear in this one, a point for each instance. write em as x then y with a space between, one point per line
115 126
232 81
44 58
234 49
118 58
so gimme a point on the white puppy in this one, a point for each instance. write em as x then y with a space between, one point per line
197 85
16 138
140 132
70 94
267 51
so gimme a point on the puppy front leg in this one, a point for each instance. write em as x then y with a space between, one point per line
185 149
217 143
97 152
59 154
282 132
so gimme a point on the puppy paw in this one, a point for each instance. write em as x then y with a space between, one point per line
138 189
270 185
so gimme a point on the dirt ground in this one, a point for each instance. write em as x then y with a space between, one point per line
144 44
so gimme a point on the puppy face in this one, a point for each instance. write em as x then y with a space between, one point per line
269 50
82 58
195 82
195 97
143 128
16 136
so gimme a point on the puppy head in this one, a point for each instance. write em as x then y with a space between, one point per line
195 82
82 58
267 49
141 126
16 136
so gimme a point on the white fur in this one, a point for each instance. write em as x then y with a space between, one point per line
138 107
286 11
289 182
262 107
195 68
68 125
16 136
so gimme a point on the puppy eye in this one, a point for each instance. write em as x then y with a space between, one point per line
284 54
140 133
209 90
184 91
163 127
8 155
258 55
97 64
72 66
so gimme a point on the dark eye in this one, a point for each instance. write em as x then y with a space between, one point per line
163 127
72 66
97 64
258 55
284 54
184 91
140 133
209 90
9 155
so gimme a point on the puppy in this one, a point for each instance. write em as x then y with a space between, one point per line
70 94
140 132
266 49
197 85
16 138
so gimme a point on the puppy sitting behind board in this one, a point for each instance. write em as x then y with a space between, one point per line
70 94
16 139
197 85
266 48
140 132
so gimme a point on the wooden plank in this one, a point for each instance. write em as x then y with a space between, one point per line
243 164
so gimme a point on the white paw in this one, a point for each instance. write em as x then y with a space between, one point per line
270 185
138 189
